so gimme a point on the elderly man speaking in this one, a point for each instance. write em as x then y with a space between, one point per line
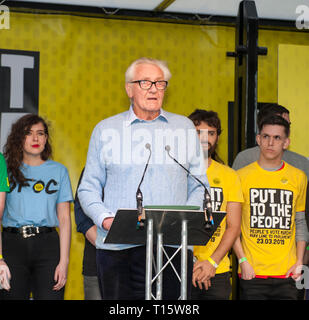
118 151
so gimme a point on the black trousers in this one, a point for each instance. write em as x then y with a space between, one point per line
32 263
122 274
268 289
220 288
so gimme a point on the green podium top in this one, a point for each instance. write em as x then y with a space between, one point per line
173 207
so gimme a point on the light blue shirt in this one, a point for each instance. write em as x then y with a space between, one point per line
36 204
116 160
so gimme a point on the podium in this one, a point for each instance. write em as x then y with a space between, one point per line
181 226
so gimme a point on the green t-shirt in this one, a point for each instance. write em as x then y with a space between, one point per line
4 181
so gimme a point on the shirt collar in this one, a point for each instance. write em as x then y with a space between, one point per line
133 118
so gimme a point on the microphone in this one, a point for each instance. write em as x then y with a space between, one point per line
139 195
207 208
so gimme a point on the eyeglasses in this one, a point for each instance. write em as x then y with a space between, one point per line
147 84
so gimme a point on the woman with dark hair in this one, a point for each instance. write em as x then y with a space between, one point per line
38 202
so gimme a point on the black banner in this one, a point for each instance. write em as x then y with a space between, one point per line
270 208
19 87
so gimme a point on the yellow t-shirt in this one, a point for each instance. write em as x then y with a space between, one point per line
268 216
225 187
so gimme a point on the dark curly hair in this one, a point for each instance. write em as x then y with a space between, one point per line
212 119
13 149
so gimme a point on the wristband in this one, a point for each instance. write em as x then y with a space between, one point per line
1 257
307 248
212 262
242 260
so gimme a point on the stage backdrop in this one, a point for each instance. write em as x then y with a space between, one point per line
71 71
293 86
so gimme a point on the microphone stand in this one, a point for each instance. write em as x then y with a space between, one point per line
139 196
207 208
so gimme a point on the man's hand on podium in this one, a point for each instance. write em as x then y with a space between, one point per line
107 222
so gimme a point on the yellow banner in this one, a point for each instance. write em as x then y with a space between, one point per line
293 85
82 62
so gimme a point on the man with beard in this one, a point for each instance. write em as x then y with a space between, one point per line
211 276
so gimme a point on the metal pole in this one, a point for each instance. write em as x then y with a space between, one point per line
159 281
184 260
149 254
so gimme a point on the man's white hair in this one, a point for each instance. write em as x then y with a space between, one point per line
129 75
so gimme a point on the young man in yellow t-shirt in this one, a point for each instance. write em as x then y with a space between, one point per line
211 276
274 192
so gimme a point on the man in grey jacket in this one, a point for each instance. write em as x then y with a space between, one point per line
250 155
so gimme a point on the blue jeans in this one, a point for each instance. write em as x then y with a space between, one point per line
122 274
